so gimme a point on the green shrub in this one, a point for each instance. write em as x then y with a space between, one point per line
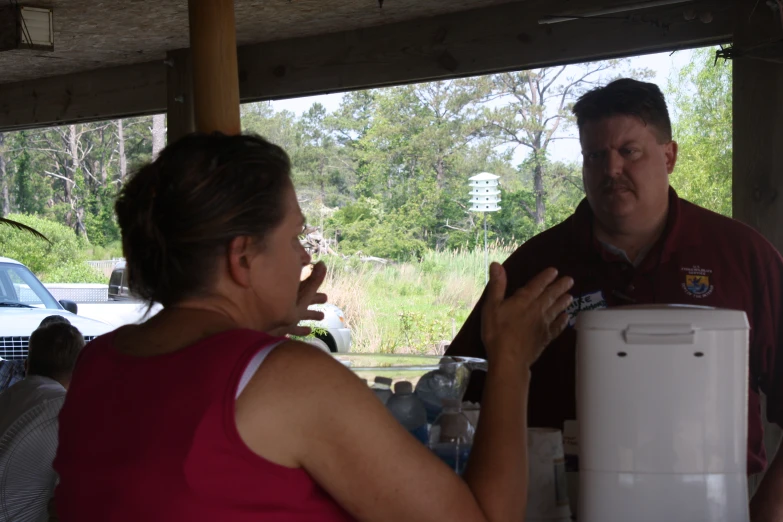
66 248
111 251
73 273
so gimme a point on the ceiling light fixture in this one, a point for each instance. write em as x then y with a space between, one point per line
35 29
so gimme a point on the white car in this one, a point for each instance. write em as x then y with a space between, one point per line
334 335
25 302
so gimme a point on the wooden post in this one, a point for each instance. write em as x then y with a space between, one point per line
757 177
179 95
213 45
758 125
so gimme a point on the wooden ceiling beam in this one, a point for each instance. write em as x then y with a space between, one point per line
102 94
502 38
492 39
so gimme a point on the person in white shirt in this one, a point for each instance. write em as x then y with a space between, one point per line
28 422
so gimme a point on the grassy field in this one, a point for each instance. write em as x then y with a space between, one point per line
408 307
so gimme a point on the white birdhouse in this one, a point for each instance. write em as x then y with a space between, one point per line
484 194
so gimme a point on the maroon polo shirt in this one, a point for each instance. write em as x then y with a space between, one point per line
702 258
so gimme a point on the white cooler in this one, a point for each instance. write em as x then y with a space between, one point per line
662 410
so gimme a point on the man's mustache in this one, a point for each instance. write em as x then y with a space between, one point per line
611 184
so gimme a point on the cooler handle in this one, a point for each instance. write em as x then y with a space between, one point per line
659 334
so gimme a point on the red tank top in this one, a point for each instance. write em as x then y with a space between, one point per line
155 439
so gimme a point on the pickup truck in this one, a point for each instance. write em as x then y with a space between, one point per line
95 301
25 302
114 304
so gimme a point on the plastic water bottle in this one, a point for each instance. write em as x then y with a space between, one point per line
447 382
451 436
382 388
409 411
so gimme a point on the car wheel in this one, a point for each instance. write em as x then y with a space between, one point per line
329 341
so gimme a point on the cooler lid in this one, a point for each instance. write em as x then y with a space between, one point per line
698 317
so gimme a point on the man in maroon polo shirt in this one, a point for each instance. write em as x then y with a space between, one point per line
634 241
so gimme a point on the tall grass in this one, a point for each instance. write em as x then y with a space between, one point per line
412 307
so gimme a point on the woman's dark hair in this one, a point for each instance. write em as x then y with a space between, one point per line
626 97
179 213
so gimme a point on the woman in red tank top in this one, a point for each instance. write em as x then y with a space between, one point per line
207 412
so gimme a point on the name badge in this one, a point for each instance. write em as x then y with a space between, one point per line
589 301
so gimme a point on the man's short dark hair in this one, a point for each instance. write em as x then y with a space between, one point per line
53 319
626 97
53 350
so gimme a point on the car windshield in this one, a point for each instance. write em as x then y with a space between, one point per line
20 288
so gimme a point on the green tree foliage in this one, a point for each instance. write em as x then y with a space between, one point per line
27 199
410 151
72 173
277 127
699 96
49 261
73 273
30 192
320 167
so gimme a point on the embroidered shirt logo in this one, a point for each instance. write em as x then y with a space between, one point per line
697 282
590 301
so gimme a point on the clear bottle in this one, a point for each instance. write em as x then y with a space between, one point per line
451 436
448 381
409 411
382 388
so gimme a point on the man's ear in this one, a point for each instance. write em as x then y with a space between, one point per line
671 156
238 257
